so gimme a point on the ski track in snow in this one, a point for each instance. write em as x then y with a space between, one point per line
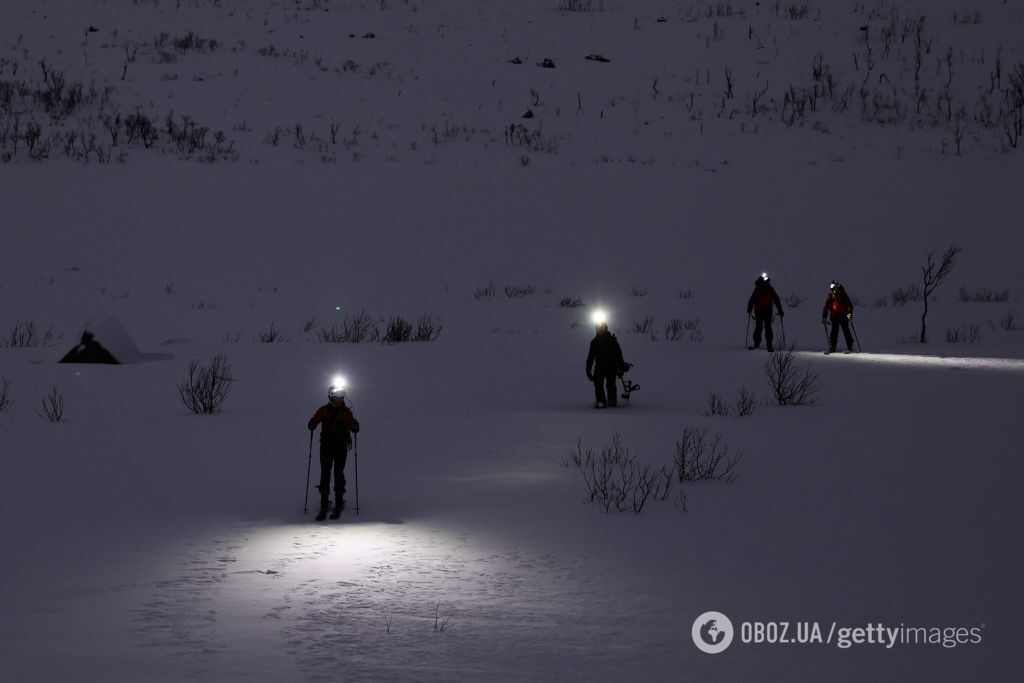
180 614
952 362
325 597
339 625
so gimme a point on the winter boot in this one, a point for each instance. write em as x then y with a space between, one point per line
339 505
599 404
322 515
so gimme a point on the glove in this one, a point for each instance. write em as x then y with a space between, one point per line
822 321
311 427
355 426
849 316
781 314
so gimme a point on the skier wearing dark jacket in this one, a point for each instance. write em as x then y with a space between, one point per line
839 308
337 425
760 303
604 365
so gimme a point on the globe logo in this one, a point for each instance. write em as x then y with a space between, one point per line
712 632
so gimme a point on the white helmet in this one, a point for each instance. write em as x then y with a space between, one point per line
340 392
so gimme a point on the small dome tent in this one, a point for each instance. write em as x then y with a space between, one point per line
104 340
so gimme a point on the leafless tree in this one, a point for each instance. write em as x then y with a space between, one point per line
932 274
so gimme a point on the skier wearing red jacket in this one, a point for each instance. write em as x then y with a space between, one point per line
839 308
760 303
337 425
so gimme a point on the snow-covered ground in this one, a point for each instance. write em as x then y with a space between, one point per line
143 542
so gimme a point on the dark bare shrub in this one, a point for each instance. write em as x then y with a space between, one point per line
272 336
1008 323
5 394
356 327
205 387
698 459
25 334
580 6
22 334
398 330
570 302
646 327
484 292
965 334
616 480
745 403
692 326
53 406
518 292
677 329
717 405
901 297
427 329
790 385
983 295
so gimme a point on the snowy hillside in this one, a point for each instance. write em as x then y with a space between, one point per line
374 159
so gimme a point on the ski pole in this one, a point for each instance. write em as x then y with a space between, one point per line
355 449
782 321
855 337
309 464
828 340
746 335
